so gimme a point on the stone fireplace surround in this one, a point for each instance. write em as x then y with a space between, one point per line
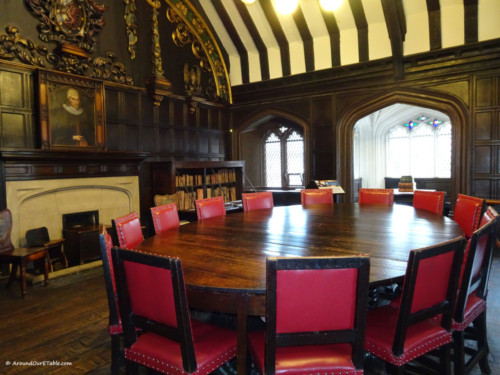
41 203
39 186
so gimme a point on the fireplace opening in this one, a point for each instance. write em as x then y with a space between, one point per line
81 231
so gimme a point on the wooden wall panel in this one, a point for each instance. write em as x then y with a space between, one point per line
484 122
321 111
484 92
483 159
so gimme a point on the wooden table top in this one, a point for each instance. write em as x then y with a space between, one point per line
228 254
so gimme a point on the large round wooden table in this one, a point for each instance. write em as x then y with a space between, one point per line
224 258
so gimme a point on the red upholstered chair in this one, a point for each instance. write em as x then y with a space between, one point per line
257 201
429 200
128 229
152 297
381 196
470 315
165 217
401 333
316 196
114 322
467 213
210 207
315 316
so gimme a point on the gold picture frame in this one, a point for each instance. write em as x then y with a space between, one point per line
71 111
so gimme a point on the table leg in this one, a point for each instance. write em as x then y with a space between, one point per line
22 276
242 320
13 272
46 269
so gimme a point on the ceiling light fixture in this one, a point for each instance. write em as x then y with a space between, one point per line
248 1
330 5
286 6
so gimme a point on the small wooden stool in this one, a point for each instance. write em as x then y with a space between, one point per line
21 256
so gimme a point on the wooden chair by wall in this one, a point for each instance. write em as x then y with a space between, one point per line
38 237
210 207
467 213
165 217
257 201
379 196
429 200
421 321
315 316
316 196
19 257
128 230
152 297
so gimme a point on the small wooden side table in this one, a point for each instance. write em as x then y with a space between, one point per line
19 258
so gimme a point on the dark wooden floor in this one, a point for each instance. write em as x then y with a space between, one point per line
66 322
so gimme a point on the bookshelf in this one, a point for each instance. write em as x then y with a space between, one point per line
183 182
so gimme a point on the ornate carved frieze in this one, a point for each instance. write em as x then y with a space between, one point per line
13 46
77 22
192 29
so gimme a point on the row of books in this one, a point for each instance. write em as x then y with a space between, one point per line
185 199
221 176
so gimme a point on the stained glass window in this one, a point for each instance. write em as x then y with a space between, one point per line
423 150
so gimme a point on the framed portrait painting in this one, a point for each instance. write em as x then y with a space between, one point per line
71 111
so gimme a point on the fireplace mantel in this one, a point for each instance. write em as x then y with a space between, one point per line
19 165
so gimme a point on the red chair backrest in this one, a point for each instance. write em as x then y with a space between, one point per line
429 288
381 196
210 207
467 213
153 298
257 201
316 196
429 200
477 262
129 231
316 296
114 326
165 217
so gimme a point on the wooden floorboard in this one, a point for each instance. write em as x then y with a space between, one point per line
66 321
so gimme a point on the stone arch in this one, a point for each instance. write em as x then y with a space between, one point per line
452 106
261 117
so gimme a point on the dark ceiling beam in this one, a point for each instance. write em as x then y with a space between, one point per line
333 30
471 23
396 27
259 43
307 40
272 18
362 26
434 13
233 34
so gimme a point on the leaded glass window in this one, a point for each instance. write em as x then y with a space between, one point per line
422 151
284 158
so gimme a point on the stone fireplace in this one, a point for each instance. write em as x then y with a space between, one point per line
40 186
41 203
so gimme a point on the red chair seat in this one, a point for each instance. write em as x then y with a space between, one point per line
164 355
474 307
421 337
296 360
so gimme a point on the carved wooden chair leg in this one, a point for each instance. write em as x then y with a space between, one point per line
116 354
482 344
458 352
